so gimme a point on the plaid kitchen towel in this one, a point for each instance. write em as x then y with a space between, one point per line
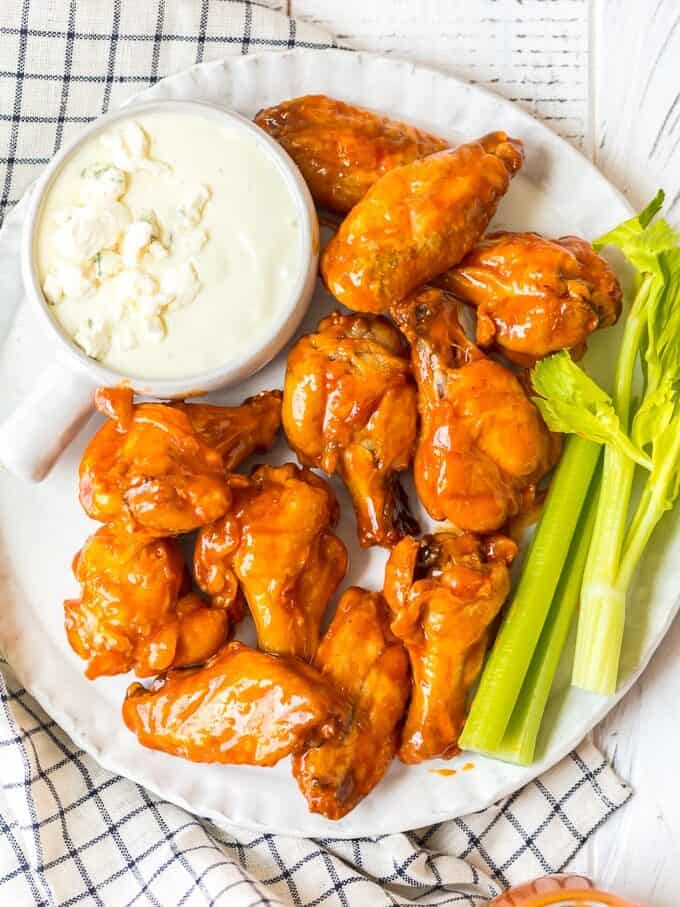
65 62
71 832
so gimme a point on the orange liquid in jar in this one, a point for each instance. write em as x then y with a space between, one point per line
559 891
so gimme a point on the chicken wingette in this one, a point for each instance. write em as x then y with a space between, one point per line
342 150
243 707
418 221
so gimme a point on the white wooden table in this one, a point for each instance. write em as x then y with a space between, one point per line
605 74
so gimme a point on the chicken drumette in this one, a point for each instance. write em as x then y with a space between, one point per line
276 543
535 295
482 446
236 432
342 150
349 406
165 465
130 615
417 221
242 707
444 591
369 667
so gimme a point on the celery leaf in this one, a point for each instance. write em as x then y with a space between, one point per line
654 415
662 350
642 241
632 227
570 401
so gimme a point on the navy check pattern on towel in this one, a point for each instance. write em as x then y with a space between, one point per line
71 832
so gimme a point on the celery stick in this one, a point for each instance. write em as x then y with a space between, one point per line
658 496
519 742
636 323
652 326
602 650
513 650
603 609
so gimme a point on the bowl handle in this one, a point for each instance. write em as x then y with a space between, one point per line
36 433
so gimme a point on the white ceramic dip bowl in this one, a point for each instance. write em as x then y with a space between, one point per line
35 434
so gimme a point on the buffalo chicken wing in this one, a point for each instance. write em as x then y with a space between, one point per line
369 667
535 295
276 544
165 465
417 221
236 432
349 406
243 707
482 446
130 615
342 150
444 591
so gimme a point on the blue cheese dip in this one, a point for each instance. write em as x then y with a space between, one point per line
166 244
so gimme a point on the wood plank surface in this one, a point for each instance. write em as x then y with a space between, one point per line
533 52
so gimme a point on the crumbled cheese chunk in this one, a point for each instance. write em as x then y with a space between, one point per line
135 285
151 218
190 211
157 251
154 328
106 264
181 285
66 281
93 337
135 242
84 231
128 148
139 294
138 310
102 182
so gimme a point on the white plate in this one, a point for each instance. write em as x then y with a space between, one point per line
42 526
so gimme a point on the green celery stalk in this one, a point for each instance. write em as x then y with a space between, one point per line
519 742
571 401
514 648
652 329
602 614
599 671
660 492
603 609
